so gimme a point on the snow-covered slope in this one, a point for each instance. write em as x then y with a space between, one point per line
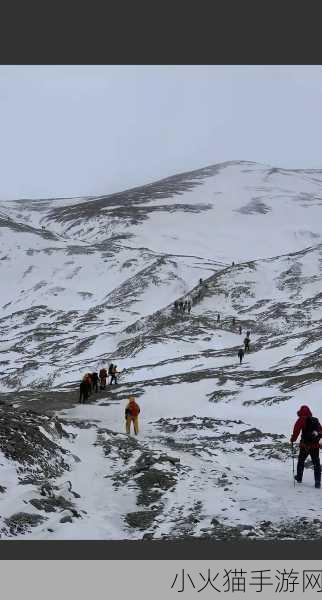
90 280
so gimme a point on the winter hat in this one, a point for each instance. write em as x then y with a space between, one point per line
304 411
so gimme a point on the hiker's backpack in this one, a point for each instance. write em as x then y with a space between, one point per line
133 409
311 430
103 373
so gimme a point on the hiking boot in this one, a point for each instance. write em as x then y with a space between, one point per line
317 484
297 479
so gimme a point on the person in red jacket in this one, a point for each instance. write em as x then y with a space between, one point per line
311 431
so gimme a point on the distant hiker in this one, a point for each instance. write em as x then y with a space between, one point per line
113 374
233 264
83 392
234 321
248 333
189 306
176 305
95 382
309 443
110 370
103 377
87 380
132 412
241 354
180 305
184 306
240 330
200 281
218 318
246 343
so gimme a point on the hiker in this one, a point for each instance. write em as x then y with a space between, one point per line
103 377
189 307
240 355
234 321
233 264
83 392
87 380
94 382
113 374
200 281
309 443
132 412
246 342
240 330
218 318
110 370
248 333
176 305
180 305
184 306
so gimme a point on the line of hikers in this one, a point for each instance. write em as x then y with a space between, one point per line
185 305
91 381
182 306
241 351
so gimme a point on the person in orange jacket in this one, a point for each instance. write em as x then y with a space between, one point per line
309 443
132 412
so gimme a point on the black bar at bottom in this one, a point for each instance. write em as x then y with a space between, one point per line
158 550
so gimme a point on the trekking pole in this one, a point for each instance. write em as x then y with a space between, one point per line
292 447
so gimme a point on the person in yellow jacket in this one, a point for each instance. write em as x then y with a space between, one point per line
132 412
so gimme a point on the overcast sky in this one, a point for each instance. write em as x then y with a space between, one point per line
76 130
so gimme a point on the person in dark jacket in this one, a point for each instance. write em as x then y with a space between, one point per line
110 370
240 330
175 305
87 379
234 321
83 392
189 306
218 318
309 444
240 354
113 374
95 382
246 343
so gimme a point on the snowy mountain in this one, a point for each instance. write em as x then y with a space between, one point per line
90 280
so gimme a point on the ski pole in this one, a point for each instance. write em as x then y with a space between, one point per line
292 447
